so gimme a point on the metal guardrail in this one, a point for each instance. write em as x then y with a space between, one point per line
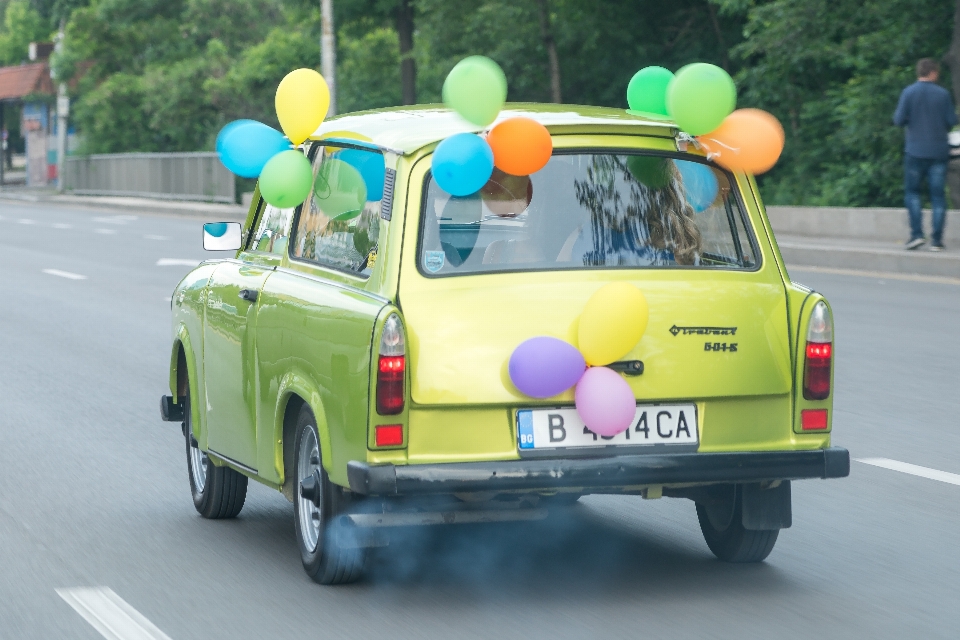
169 176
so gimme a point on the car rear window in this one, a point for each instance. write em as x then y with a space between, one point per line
589 211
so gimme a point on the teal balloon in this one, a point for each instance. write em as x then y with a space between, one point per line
216 229
650 171
462 164
339 190
476 88
245 146
699 184
647 92
286 179
700 96
371 167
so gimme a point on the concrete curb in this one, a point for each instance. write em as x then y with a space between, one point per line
920 262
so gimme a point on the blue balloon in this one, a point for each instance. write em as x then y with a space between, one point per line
371 168
699 183
462 164
245 146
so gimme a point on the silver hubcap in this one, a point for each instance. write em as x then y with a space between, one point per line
308 462
198 465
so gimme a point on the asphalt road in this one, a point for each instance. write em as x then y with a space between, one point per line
95 490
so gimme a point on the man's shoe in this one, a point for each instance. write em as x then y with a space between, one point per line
937 246
915 243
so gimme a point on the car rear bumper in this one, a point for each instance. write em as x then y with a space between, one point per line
597 473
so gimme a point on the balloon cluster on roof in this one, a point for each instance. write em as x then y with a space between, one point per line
701 99
489 162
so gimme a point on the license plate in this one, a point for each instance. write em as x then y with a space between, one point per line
562 428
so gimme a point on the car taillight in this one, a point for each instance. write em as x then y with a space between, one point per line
818 354
391 368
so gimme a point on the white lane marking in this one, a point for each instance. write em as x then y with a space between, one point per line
110 614
105 231
177 262
912 469
26 221
151 236
64 274
881 275
115 219
61 225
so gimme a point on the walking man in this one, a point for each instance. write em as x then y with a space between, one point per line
926 110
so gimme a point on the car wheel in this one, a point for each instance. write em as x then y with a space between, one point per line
721 521
218 492
326 558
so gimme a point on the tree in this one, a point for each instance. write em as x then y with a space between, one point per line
22 24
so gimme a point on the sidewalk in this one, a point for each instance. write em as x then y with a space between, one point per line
867 255
209 211
867 239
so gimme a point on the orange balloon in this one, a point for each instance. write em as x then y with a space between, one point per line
749 140
521 146
505 195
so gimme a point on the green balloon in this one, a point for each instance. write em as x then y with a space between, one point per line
476 89
285 180
651 171
700 97
339 190
647 92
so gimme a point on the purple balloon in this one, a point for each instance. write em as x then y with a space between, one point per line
605 401
543 367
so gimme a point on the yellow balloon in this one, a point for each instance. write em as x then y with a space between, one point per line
612 323
302 102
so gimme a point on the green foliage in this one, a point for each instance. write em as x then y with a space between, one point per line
247 90
22 24
368 73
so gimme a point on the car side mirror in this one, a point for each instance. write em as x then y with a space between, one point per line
222 236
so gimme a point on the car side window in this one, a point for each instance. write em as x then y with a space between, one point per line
339 225
272 230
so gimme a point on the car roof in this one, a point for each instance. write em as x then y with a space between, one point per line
404 130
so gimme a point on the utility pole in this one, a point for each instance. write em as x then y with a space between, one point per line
63 112
328 52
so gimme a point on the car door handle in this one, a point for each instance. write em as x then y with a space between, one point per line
250 295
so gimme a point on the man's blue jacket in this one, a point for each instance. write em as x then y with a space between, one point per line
926 110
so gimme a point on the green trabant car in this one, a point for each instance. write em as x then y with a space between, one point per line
358 362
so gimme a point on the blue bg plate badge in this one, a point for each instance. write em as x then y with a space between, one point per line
433 261
525 429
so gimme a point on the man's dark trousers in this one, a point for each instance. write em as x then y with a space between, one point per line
935 171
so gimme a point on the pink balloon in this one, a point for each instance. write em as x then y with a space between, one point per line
605 401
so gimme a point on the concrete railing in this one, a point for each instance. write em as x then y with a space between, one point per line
170 176
878 224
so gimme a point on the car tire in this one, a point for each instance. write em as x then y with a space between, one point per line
318 502
218 492
722 525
